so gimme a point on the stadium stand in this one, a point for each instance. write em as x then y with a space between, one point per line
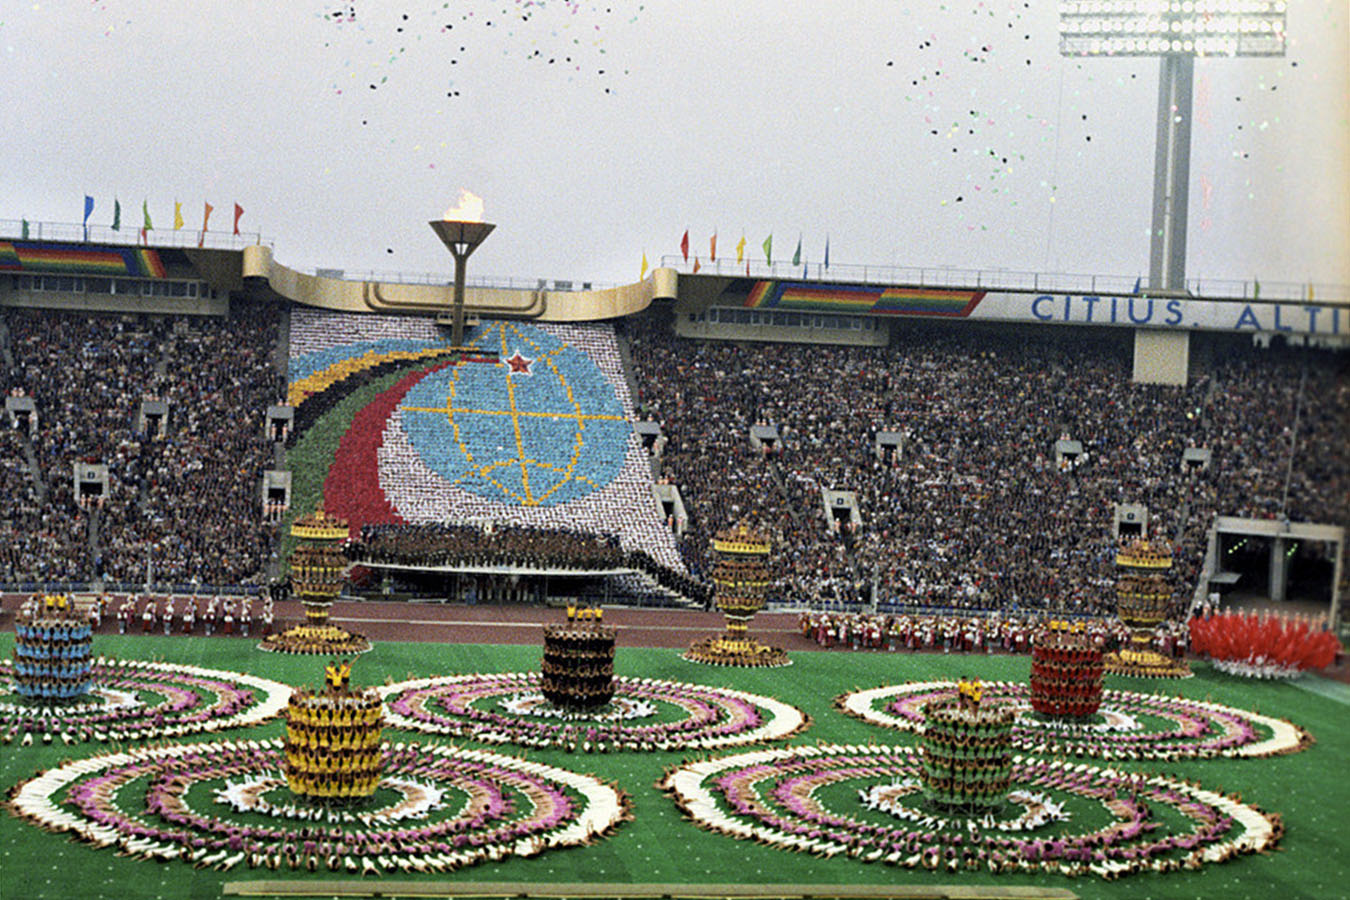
187 501
977 513
974 513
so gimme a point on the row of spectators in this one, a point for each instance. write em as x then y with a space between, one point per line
184 505
478 545
512 546
976 512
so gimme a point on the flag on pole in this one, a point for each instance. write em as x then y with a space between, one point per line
1138 282
768 249
117 215
684 245
88 210
145 213
696 265
712 247
206 217
23 230
804 267
740 248
238 211
1310 291
642 276
827 251
1256 290
797 254
177 215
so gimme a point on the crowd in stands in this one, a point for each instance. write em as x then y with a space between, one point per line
184 501
975 511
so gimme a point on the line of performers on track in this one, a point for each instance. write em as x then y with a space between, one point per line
950 633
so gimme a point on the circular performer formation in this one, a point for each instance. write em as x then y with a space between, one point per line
1128 725
131 700
227 804
645 714
1073 819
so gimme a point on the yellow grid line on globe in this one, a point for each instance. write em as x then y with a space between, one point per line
470 411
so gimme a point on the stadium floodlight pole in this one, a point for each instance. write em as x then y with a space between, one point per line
1177 32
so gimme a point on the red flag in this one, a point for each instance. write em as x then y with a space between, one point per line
684 245
712 247
238 211
696 265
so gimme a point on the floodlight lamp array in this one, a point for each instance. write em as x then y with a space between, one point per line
1168 27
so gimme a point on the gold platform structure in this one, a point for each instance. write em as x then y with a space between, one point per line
318 571
741 578
1143 602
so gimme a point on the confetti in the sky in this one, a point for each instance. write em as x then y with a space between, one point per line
568 36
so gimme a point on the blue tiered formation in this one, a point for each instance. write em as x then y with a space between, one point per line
51 659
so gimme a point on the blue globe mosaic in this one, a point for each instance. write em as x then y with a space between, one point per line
539 427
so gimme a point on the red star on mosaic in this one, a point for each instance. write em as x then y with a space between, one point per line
520 365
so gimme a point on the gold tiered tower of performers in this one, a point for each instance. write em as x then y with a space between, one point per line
741 578
1143 601
318 569
333 751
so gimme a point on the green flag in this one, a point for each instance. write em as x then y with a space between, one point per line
145 211
24 231
117 215
768 249
797 256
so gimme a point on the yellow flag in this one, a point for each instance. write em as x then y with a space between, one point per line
177 215
643 274
740 249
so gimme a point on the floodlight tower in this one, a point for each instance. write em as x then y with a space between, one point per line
1176 32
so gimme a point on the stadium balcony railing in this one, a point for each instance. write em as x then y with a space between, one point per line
128 235
1011 280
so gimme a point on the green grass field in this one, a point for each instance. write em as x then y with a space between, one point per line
660 846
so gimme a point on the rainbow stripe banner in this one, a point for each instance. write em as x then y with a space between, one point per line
140 262
862 299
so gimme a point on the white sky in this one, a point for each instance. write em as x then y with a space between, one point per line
748 117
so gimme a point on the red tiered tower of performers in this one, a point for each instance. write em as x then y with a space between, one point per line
1066 672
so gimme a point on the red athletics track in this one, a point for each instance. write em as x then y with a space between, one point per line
453 623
